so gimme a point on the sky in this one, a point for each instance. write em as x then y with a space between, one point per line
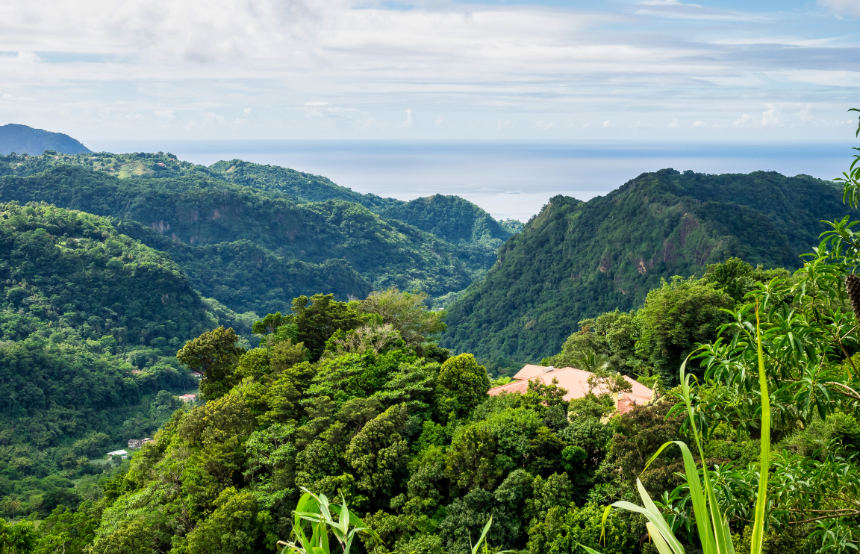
640 70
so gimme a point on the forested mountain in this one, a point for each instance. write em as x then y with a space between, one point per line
451 218
404 432
355 401
27 140
304 187
577 259
90 320
256 240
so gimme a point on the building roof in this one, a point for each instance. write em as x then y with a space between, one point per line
531 370
575 382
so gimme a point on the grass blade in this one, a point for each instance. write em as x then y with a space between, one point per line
659 541
757 541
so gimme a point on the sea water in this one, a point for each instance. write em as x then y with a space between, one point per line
508 179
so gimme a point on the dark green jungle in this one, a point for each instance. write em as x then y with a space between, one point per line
338 343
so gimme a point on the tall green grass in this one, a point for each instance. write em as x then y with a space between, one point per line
323 518
711 524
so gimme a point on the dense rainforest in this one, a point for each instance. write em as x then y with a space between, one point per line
352 398
90 320
577 259
254 236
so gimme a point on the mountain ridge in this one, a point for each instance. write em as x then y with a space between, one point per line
23 139
606 253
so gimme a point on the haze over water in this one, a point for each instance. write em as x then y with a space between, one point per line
509 180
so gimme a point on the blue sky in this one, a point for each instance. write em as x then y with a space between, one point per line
647 70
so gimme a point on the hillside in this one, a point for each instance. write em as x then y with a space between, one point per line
254 246
577 259
90 321
304 187
27 140
450 218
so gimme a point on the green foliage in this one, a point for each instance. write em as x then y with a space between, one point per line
232 527
677 317
453 219
564 529
316 510
89 322
253 236
214 354
575 260
462 384
406 312
318 317
17 538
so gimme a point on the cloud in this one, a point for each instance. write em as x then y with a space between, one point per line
850 8
673 9
743 120
771 116
26 56
337 68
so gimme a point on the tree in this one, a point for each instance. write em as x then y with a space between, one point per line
318 317
232 527
462 384
17 538
406 312
215 355
675 318
378 453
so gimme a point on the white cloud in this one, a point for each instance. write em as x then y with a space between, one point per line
743 120
771 116
697 123
330 69
842 7
26 56
673 9
212 118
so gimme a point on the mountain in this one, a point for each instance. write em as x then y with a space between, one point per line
261 235
450 218
27 140
578 259
304 187
90 321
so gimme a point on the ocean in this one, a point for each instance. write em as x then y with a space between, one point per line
508 179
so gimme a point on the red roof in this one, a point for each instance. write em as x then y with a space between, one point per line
575 382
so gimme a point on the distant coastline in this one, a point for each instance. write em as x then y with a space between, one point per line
508 179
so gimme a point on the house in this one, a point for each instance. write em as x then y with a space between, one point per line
575 383
137 443
121 453
187 397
